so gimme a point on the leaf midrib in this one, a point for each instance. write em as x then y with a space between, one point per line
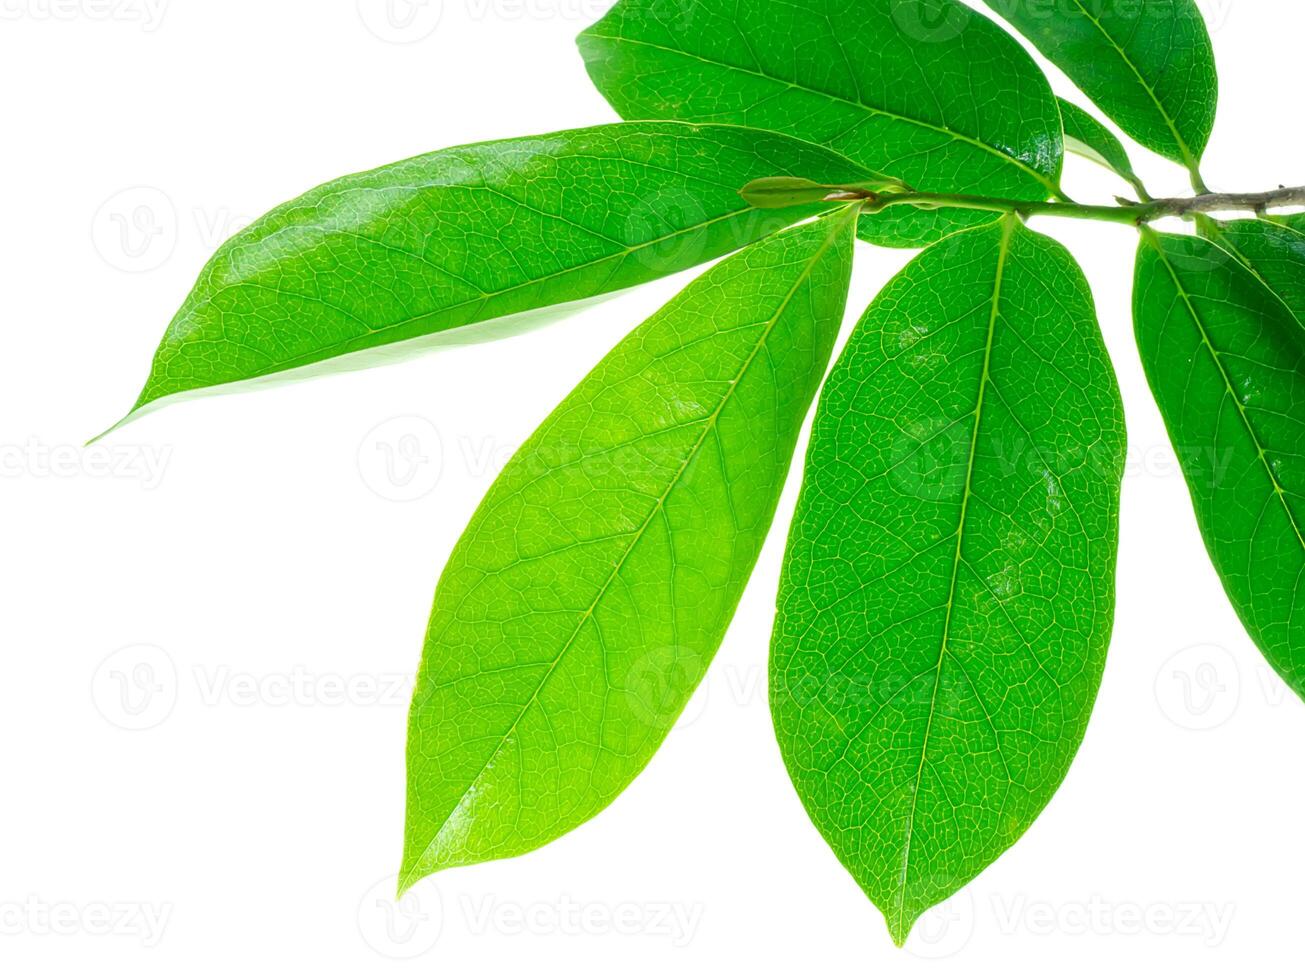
1189 158
347 346
1041 178
1008 227
709 426
1260 452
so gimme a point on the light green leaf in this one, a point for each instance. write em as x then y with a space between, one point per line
1227 366
787 192
948 590
1149 65
472 233
595 582
1273 249
1087 137
926 90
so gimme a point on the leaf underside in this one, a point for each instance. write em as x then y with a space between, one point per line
1087 137
470 234
932 93
948 589
596 580
1226 362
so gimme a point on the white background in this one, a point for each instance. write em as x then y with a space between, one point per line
207 651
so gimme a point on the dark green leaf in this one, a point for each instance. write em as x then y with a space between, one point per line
1087 137
1227 366
1274 251
1148 64
926 90
595 582
948 590
465 235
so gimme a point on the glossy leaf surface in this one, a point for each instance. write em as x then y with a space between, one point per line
1273 250
465 235
1148 64
926 90
948 589
596 580
1227 365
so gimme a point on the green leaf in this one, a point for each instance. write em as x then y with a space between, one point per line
468 234
787 192
1148 64
595 582
1273 249
948 590
1087 137
1227 366
926 90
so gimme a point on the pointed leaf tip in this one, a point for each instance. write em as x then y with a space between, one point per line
899 932
602 592
591 211
915 568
